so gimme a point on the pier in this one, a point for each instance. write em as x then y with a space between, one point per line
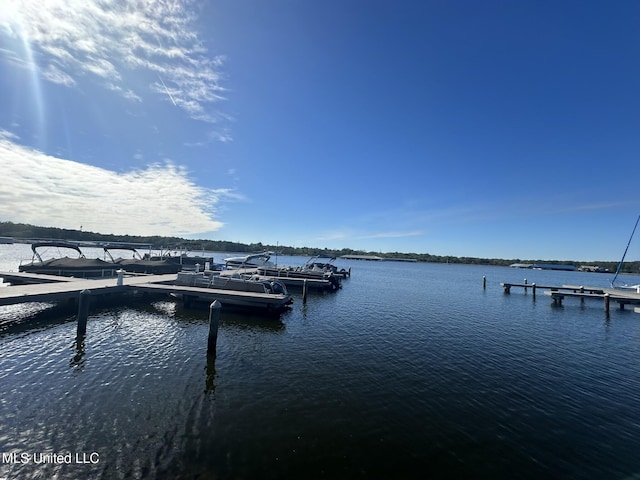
24 289
559 293
55 289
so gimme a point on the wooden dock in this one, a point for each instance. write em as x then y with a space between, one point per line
55 289
229 298
559 293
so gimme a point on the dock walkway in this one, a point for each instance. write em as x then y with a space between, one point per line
57 289
559 293
64 288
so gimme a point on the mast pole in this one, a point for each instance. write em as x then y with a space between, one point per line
625 252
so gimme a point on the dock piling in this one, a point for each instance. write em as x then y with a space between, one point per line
214 323
120 280
304 291
606 302
484 281
83 312
533 289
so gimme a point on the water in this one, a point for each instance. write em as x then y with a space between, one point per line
410 371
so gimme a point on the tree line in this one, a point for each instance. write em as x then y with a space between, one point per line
31 232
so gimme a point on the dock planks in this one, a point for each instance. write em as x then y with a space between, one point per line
235 298
66 288
63 288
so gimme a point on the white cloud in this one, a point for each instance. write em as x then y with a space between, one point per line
55 75
49 191
114 40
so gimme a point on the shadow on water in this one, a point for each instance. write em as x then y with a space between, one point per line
210 371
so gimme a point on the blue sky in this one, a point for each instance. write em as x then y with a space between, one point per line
504 129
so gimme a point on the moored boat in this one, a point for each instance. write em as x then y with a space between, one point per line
77 265
270 296
321 275
138 264
324 264
186 260
248 261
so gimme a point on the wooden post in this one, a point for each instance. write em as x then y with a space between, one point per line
525 285
533 285
606 302
120 280
304 291
214 323
83 312
484 281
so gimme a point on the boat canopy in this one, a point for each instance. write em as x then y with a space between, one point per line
55 244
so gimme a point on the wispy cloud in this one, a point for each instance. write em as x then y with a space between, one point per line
157 200
115 42
223 136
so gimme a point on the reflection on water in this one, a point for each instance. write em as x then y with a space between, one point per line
410 371
211 374
77 360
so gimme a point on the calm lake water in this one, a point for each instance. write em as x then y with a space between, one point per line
409 371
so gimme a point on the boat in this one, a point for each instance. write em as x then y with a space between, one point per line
236 291
315 264
320 275
76 265
328 283
295 277
248 261
136 263
633 288
187 261
235 282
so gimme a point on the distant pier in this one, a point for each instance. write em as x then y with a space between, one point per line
375 258
559 293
